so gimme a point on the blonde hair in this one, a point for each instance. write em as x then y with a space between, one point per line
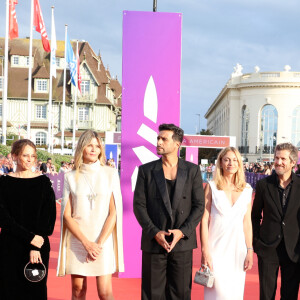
83 141
239 176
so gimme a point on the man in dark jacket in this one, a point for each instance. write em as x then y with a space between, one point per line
168 204
276 226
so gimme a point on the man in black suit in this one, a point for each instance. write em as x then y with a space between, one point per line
276 226
168 204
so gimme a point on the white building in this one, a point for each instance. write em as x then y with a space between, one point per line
261 109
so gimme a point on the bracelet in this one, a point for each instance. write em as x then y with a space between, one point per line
250 249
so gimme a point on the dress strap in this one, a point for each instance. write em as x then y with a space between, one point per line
212 185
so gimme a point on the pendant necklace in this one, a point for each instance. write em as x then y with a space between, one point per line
92 196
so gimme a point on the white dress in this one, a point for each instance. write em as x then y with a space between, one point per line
91 192
227 246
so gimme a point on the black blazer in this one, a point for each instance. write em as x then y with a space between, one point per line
275 226
152 206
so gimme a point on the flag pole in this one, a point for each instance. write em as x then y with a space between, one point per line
75 102
4 97
30 74
64 95
50 142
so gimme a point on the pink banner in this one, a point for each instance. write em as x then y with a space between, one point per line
117 137
206 141
191 154
150 96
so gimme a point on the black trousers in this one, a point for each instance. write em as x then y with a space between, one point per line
167 276
268 267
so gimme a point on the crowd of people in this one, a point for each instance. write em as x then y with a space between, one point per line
266 168
7 165
169 202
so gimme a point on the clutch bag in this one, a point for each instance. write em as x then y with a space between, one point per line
204 277
35 272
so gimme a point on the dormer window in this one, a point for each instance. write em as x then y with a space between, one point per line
60 62
41 86
19 61
16 60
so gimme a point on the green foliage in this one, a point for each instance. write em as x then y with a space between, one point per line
206 132
208 153
10 139
56 158
4 150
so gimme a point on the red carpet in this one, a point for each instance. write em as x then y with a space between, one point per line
59 288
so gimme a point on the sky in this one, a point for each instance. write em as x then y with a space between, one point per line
216 35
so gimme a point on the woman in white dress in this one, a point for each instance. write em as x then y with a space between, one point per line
91 232
226 229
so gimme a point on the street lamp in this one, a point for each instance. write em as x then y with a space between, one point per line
199 123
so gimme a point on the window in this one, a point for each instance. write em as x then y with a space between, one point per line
16 60
269 124
83 114
296 127
1 83
0 110
85 87
41 111
42 86
41 138
27 60
245 128
57 59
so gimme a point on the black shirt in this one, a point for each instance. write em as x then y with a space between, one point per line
171 188
284 193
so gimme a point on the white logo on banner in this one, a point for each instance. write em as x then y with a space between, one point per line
147 133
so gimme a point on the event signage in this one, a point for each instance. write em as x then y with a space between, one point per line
150 96
191 154
57 184
112 137
111 152
208 141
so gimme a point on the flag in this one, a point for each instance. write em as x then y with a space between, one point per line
39 24
13 23
53 48
78 71
71 60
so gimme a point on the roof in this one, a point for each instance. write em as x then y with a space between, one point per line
18 76
41 72
8 124
116 86
77 134
39 125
